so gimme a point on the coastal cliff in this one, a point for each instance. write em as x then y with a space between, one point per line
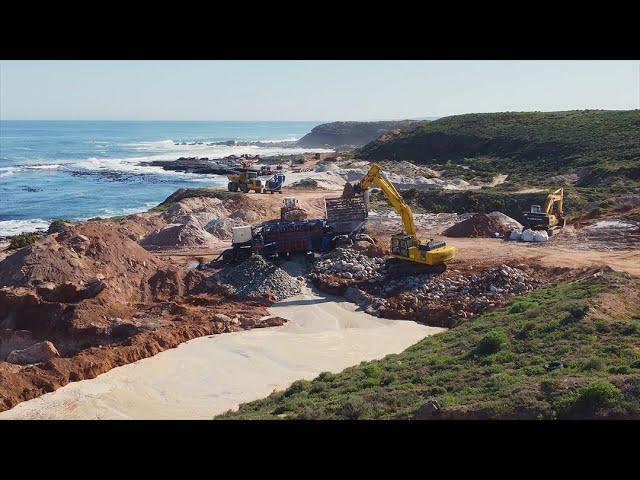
353 134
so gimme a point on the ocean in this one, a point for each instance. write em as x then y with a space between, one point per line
82 169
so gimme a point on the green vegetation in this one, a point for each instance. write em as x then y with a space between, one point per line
600 147
58 225
192 192
22 240
570 350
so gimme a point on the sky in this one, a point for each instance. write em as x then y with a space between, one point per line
308 90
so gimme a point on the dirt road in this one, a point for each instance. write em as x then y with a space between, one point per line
210 375
493 250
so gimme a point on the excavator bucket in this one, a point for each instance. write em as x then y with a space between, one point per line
345 214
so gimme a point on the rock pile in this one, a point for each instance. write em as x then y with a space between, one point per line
480 225
257 278
350 264
441 300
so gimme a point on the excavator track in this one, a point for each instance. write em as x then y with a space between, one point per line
397 266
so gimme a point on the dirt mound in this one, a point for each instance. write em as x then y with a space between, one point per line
480 225
102 300
258 278
78 255
217 217
508 223
178 235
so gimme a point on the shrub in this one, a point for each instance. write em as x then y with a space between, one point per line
491 342
22 240
59 225
388 379
372 370
520 307
369 383
297 387
594 363
355 408
601 326
598 394
549 385
438 391
595 396
577 310
326 377
317 387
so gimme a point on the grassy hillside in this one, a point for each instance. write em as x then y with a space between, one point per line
570 350
603 147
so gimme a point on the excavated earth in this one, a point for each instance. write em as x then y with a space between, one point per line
374 282
95 295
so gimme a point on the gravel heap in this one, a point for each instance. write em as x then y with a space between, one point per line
506 221
486 284
440 300
257 278
350 264
455 296
178 235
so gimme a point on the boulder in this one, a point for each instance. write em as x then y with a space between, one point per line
39 352
534 236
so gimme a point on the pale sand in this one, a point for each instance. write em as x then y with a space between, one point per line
210 375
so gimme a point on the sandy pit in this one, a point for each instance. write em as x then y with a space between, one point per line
210 375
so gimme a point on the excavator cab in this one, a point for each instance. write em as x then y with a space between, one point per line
400 244
550 217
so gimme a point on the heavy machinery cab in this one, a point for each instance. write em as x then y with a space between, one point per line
246 180
548 217
433 252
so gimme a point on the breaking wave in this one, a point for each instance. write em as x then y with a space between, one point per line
14 227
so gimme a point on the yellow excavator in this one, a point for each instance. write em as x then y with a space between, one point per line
404 245
549 218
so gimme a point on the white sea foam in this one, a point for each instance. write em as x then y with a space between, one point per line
6 171
14 227
133 164
53 166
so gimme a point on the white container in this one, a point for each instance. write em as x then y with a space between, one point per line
241 234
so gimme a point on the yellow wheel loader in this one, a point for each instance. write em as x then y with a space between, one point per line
405 245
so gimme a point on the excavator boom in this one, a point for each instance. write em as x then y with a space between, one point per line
375 175
404 245
552 198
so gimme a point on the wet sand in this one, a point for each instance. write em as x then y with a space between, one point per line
210 375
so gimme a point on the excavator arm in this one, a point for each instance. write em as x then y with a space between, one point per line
552 198
406 245
375 175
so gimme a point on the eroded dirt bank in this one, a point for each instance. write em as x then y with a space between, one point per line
95 295
208 376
